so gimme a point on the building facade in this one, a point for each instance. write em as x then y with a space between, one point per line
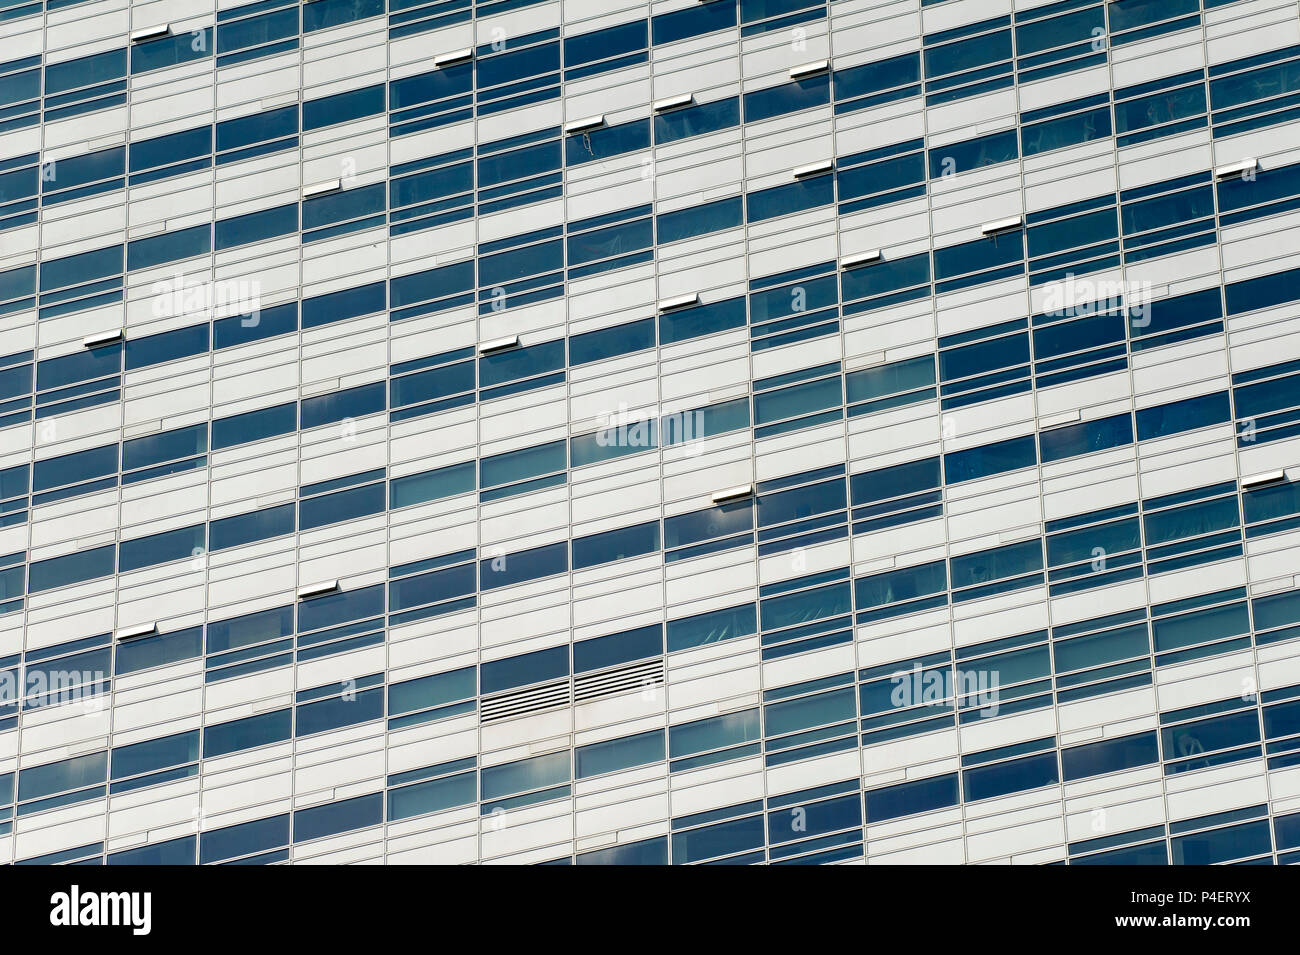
602 431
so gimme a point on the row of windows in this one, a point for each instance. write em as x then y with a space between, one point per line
788 515
435 191
792 722
1158 219
13 9
1088 550
1031 765
997 678
1267 399
782 309
1266 396
1114 658
973 366
1193 738
1079 661
818 825
801 721
523 71
965 61
1047 41
269 27
827 826
1264 85
990 367
1084 654
1172 532
1237 836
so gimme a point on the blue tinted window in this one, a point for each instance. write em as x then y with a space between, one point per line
166 346
896 73
620 544
80 366
989 459
536 667
712 627
431 587
512 65
71 468
98 68
539 772
716 732
681 324
795 197
343 107
258 127
997 563
333 818
341 405
348 303
172 852
518 363
520 465
336 713
609 342
973 154
1071 440
693 21
154 754
67 774
171 50
900 585
431 485
434 795
906 799
614 755
322 14
216 845
146 652
787 98
248 733
253 31
155 549
257 226
523 566
343 205
1067 131
340 607
254 526
435 690
254 426
618 648
676 124
1186 415
606 142
72 568
84 267
698 220
255 325
966 54
599 44
1032 772
250 629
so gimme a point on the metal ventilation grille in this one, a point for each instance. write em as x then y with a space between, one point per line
537 699
553 696
634 677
